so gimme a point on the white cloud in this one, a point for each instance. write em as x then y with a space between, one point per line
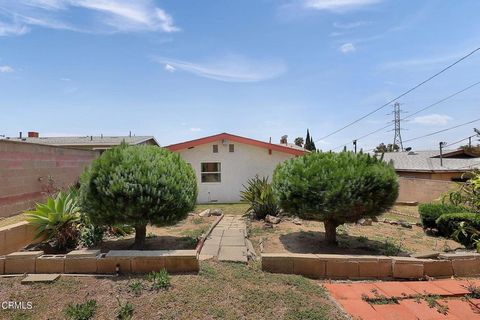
338 5
65 79
6 69
433 119
195 129
347 47
231 68
416 62
351 25
169 68
104 16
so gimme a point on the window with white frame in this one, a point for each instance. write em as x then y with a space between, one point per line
211 172
231 148
215 148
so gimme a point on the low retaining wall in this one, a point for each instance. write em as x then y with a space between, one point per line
16 236
93 262
334 266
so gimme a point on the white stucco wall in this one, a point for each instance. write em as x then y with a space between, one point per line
237 167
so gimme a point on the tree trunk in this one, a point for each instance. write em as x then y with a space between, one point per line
330 232
140 236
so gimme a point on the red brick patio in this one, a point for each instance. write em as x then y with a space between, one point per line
451 295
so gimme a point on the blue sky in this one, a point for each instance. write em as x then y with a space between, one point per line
185 69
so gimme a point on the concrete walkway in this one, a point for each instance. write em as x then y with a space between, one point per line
227 241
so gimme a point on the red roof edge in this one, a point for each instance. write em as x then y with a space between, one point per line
239 139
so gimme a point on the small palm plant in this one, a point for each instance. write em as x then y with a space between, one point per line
259 194
57 220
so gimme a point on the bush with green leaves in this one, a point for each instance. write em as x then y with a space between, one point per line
259 194
430 212
468 193
335 188
57 220
81 311
463 227
138 185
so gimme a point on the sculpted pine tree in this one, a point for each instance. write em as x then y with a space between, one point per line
138 185
335 188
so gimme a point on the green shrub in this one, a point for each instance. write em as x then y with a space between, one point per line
335 188
468 193
259 194
56 221
138 185
430 212
463 227
81 311
159 279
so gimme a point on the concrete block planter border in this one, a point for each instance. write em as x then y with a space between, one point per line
333 266
93 262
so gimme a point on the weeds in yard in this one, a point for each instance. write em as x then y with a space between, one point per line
81 311
432 302
160 279
135 287
362 239
391 248
21 316
342 230
317 313
207 270
125 310
195 233
197 220
151 235
379 298
303 284
474 291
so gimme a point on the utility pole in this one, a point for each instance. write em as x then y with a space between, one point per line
397 139
355 145
441 144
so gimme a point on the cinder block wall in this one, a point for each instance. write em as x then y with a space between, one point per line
423 190
25 169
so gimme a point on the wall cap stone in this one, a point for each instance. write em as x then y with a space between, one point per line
84 253
461 255
24 255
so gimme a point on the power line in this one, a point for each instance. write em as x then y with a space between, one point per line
443 100
402 95
440 131
412 114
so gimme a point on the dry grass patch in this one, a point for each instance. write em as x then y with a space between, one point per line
219 291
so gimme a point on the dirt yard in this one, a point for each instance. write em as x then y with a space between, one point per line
181 236
379 239
220 291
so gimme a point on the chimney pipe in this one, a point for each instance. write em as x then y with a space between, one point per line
20 135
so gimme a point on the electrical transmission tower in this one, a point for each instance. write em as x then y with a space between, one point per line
397 139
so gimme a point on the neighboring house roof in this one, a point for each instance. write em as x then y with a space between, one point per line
428 161
230 137
98 141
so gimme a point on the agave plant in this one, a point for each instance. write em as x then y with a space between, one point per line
259 194
56 220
